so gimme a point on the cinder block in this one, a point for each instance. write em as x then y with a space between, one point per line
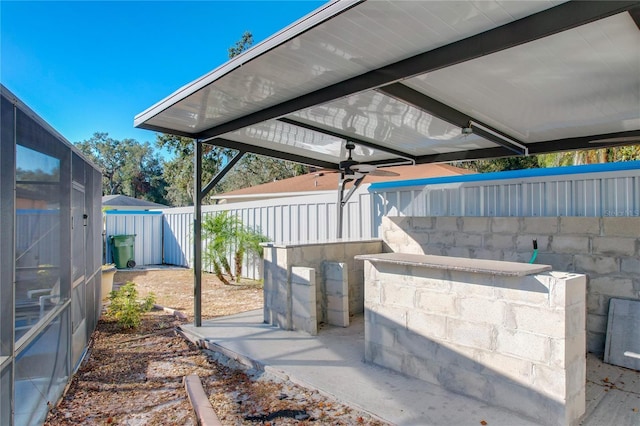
597 323
421 367
465 239
302 275
431 326
550 381
596 305
613 287
436 303
500 241
523 345
570 244
598 265
580 225
446 223
614 246
467 284
441 239
338 318
483 253
472 334
567 289
385 357
395 238
631 266
398 295
422 223
566 351
482 310
386 317
457 252
505 225
532 319
558 261
476 224
540 225
628 227
515 369
383 336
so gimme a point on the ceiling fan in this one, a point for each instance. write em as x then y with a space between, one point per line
351 167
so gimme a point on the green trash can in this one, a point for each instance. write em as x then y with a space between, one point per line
122 251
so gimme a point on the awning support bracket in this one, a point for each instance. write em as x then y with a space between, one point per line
343 199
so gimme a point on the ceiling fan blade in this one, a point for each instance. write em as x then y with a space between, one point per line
379 172
364 168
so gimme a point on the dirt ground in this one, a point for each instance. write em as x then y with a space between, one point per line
173 288
134 377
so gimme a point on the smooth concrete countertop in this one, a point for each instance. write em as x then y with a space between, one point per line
322 243
479 266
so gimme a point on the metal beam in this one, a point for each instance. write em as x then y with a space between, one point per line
222 173
534 27
358 141
465 155
450 115
608 140
635 15
197 233
260 150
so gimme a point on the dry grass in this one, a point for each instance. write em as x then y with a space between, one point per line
173 288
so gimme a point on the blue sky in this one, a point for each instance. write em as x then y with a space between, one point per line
90 66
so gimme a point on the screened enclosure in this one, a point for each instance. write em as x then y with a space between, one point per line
50 262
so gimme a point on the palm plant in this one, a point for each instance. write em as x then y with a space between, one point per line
227 234
248 242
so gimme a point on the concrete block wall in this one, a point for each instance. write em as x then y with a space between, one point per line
606 249
279 259
303 300
336 282
516 342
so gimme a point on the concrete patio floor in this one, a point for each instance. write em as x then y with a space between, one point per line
332 363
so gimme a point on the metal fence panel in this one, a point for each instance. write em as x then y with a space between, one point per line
148 229
606 193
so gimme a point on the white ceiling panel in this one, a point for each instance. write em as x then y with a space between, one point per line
579 82
348 45
300 141
377 118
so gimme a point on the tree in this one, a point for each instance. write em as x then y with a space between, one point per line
500 164
255 170
592 156
128 167
179 170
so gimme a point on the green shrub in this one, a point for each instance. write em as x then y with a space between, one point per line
125 306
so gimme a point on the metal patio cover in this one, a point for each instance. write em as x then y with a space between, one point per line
402 79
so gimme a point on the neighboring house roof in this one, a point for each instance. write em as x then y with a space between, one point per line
327 180
129 203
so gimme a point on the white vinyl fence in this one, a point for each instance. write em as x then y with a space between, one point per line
599 190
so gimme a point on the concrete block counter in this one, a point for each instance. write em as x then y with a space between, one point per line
508 333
